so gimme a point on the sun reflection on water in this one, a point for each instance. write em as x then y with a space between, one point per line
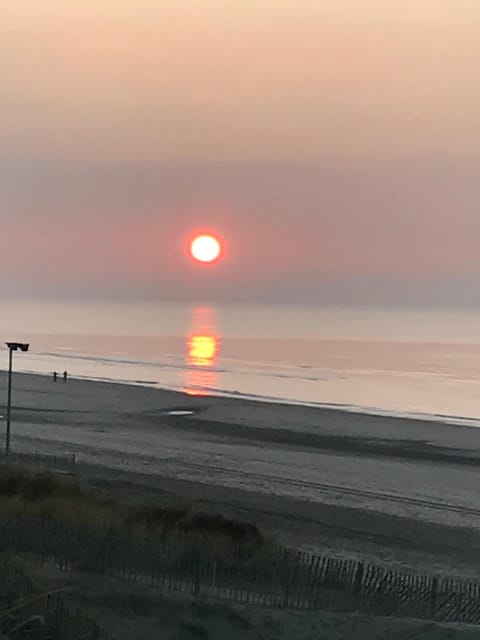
202 346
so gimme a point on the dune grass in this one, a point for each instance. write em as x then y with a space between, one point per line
35 492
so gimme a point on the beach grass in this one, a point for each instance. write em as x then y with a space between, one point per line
42 493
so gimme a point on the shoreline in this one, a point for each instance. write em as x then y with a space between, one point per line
357 432
453 420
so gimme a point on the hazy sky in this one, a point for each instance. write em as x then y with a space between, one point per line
334 144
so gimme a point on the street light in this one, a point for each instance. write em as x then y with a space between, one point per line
12 346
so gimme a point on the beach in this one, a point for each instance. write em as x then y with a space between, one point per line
385 489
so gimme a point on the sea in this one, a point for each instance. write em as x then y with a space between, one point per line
409 362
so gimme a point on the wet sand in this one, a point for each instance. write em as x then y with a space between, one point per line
383 489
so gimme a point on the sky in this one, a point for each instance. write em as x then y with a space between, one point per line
333 144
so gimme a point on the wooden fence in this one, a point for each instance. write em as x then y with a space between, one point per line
64 464
25 613
274 578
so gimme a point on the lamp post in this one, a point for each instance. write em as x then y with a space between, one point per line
12 346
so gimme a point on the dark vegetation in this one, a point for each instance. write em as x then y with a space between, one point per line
28 491
30 613
35 496
52 522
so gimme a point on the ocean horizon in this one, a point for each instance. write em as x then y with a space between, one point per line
415 363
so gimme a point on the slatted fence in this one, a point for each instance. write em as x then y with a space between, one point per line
64 464
275 577
26 614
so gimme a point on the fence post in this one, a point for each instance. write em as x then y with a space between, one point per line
433 598
460 597
196 572
357 580
288 579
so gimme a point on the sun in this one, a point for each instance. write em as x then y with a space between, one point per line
205 248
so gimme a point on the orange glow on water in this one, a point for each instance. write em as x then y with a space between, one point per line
202 351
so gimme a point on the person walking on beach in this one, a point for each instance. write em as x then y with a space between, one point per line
54 376
65 376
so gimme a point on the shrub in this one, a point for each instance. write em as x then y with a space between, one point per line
42 493
155 518
231 529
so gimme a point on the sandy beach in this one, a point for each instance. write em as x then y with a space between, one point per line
389 490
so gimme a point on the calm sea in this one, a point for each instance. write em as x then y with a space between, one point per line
375 360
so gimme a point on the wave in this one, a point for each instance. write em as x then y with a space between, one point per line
242 368
234 381
347 408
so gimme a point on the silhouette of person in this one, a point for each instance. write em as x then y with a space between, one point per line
64 376
54 376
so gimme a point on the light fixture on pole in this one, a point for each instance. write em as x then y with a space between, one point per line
12 346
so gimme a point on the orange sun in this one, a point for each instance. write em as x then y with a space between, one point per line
205 248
